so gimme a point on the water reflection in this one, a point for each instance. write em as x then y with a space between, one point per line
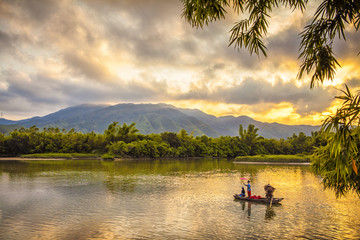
163 199
246 206
124 184
270 212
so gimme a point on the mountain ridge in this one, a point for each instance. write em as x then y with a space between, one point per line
156 118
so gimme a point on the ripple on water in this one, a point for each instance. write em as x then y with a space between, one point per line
194 203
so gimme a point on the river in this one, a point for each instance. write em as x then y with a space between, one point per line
167 199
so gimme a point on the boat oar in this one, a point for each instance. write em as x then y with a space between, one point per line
271 200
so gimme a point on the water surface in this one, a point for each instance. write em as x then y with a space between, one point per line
167 199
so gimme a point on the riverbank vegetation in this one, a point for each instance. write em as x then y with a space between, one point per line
61 155
298 158
125 141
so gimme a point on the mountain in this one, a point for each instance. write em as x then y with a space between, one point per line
229 125
4 121
155 118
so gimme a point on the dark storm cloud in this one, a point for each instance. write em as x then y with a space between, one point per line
56 26
6 42
152 31
349 48
65 52
35 88
143 27
353 83
155 33
285 43
38 10
29 92
9 42
255 91
281 47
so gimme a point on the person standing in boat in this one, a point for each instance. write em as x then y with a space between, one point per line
269 191
248 188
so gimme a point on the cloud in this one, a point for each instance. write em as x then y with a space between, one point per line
256 91
22 93
58 53
349 48
285 43
353 82
88 66
5 42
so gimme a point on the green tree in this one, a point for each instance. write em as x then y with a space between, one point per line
286 147
143 148
18 142
171 138
271 146
110 132
3 149
316 47
318 139
251 139
338 162
118 148
300 143
126 133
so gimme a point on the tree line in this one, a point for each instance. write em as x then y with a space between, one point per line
126 141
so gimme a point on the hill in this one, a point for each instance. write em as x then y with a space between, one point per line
156 118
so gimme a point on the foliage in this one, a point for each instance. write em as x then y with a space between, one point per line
126 133
329 22
275 158
117 148
107 156
60 155
124 141
338 162
250 138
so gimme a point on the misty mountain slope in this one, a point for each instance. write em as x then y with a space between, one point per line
4 121
229 125
156 118
63 117
156 123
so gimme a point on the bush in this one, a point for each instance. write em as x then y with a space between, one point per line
107 156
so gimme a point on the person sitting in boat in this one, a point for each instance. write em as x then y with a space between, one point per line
248 188
242 194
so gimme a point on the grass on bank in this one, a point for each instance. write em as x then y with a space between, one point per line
60 155
299 158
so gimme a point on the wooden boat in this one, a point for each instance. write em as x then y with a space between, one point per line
259 200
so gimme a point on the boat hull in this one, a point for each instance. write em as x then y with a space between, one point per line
261 200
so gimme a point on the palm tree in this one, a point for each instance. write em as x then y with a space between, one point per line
110 132
127 133
250 137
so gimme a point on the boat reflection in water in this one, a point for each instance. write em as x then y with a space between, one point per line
269 211
167 199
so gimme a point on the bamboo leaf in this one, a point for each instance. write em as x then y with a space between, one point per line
354 166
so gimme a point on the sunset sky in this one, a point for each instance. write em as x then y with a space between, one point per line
60 53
